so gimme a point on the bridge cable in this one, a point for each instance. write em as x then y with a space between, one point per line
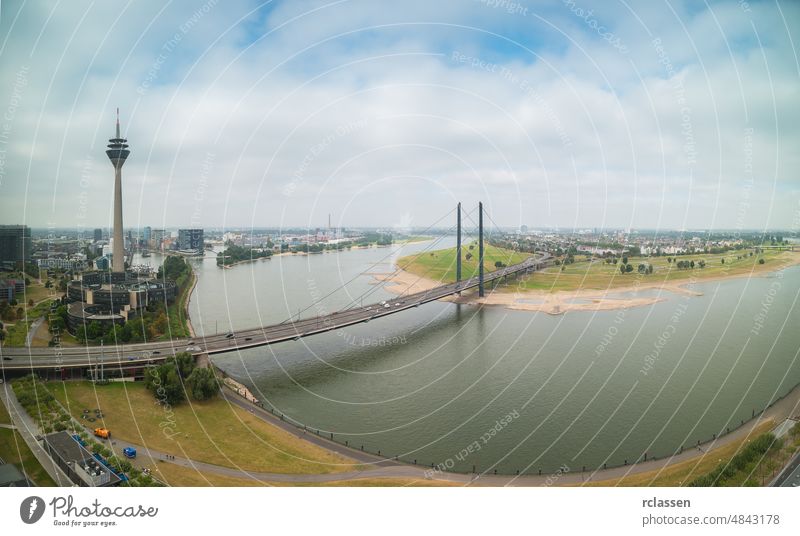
379 261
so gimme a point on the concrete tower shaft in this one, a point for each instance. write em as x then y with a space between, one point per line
118 152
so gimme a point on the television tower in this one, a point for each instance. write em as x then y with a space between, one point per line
118 152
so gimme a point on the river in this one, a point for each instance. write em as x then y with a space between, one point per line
495 389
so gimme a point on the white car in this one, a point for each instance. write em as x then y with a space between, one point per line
192 348
386 305
383 302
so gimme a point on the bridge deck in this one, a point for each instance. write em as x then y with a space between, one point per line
27 358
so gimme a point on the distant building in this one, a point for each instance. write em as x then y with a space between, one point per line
98 235
15 245
104 262
60 263
147 233
7 291
156 237
191 240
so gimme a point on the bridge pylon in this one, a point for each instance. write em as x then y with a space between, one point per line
458 246
481 292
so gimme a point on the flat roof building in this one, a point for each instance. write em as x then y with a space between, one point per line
78 464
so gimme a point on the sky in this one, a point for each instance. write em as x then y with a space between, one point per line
568 114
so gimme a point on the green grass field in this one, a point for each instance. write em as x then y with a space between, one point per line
212 431
441 265
596 274
599 275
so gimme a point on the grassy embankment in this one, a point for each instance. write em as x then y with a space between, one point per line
597 274
13 449
756 472
212 431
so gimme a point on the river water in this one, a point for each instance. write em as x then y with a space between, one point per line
490 388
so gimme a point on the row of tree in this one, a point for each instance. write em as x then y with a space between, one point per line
234 254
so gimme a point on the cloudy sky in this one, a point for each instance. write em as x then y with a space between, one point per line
659 114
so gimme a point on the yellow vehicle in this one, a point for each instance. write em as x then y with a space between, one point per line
102 432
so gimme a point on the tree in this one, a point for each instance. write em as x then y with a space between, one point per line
625 259
691 264
202 384
622 268
760 261
185 363
165 383
628 268
722 261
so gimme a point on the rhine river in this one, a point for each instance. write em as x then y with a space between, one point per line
527 390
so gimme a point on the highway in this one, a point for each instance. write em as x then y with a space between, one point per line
132 354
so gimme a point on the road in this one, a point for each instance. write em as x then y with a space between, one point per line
790 476
31 358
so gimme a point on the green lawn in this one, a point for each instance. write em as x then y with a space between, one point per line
441 265
5 418
597 274
212 431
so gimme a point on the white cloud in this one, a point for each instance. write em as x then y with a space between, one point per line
384 125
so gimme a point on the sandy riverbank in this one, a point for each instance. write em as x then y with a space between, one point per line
558 302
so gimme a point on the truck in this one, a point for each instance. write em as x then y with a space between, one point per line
129 452
102 432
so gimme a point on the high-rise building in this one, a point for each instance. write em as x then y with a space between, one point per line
118 152
190 240
146 234
98 235
15 245
156 237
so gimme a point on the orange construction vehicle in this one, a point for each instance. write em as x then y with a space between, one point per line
102 432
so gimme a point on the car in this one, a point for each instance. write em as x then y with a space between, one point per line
132 357
156 352
229 336
192 348
386 305
102 432
129 452
397 305
248 338
383 302
6 358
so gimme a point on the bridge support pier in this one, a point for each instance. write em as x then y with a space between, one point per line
481 292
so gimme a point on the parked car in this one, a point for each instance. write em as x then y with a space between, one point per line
129 452
102 432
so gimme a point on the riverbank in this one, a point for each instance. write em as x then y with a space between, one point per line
517 295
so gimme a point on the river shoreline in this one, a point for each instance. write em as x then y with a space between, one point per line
562 301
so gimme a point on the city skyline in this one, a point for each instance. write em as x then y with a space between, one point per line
356 111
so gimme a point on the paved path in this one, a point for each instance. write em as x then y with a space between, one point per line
28 429
32 330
